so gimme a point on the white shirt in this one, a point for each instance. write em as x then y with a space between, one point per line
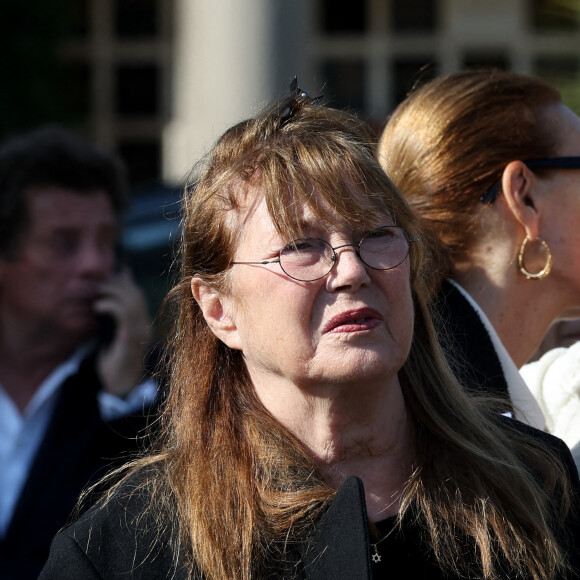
526 408
555 381
21 433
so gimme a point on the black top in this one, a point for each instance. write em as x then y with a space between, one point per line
401 553
122 540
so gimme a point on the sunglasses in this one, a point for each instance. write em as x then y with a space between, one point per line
549 163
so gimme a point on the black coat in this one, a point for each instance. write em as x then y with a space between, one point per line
78 448
467 344
120 541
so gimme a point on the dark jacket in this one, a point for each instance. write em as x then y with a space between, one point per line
467 344
78 448
122 540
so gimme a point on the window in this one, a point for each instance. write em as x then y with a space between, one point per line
344 83
337 17
554 15
137 90
408 73
79 18
414 15
136 18
487 59
142 158
76 87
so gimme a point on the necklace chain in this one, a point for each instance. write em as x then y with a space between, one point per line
376 557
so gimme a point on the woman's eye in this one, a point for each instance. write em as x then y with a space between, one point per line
384 234
300 245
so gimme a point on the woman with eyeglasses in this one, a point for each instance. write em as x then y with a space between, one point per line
490 162
313 429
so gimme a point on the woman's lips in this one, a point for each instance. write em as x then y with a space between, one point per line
353 321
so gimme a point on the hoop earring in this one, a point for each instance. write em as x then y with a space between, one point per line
545 270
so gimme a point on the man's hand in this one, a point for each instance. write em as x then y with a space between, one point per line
121 363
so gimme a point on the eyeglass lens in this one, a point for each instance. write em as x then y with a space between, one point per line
310 259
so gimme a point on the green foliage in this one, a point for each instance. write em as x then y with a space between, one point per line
570 89
556 14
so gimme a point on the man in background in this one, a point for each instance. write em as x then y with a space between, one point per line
74 331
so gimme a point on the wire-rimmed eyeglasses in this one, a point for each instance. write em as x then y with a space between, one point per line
310 259
548 163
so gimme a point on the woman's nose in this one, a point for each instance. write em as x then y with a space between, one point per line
349 270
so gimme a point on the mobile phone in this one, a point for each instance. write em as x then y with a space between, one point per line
107 329
107 322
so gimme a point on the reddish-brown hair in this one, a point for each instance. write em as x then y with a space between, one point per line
242 488
450 140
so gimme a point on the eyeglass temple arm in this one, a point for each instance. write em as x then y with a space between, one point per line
273 261
554 163
549 163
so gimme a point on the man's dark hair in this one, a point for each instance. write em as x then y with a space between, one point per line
52 156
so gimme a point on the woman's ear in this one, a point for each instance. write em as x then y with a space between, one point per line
216 312
521 196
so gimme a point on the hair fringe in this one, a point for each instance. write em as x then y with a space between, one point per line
246 491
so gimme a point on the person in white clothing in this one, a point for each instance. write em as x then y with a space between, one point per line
64 386
554 379
490 161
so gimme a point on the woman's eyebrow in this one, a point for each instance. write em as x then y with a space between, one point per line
307 227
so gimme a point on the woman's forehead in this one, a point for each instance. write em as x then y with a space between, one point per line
297 214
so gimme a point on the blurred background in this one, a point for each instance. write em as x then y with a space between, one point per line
157 81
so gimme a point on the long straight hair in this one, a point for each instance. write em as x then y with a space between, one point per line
245 489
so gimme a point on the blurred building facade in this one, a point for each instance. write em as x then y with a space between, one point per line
158 80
